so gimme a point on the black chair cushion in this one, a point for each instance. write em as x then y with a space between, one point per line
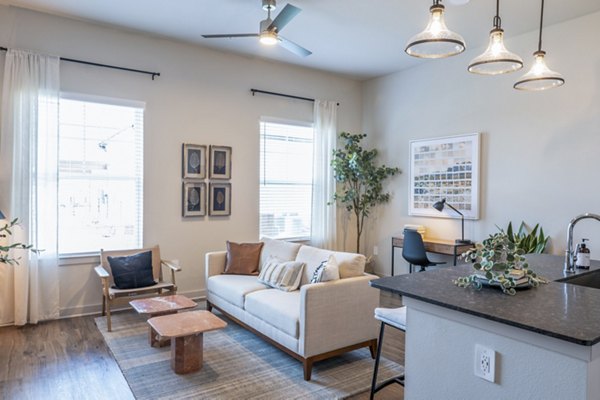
132 272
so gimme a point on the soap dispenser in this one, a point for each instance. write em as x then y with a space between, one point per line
582 255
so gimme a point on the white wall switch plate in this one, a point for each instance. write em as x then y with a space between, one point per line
485 363
375 250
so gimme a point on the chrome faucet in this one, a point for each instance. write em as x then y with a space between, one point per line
570 253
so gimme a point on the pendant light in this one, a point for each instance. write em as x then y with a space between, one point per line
496 59
539 77
436 41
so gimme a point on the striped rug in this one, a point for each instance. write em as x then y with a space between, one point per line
237 365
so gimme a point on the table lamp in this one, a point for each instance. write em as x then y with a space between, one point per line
439 205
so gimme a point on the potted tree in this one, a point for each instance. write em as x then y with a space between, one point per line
360 180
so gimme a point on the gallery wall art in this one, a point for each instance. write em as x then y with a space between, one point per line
220 162
194 199
445 168
220 199
195 161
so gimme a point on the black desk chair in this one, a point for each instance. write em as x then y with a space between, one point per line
413 251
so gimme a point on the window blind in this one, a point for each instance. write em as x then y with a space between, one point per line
100 176
286 163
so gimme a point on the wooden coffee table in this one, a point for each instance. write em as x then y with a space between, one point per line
186 331
161 305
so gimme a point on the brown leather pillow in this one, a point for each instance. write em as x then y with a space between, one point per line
243 258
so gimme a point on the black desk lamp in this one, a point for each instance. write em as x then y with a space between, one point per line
439 205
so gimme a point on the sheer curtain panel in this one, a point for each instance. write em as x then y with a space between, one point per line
29 151
323 215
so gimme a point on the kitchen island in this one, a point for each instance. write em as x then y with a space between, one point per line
546 339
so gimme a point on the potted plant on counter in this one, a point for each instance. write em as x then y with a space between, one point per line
499 262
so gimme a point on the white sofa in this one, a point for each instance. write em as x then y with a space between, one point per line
318 321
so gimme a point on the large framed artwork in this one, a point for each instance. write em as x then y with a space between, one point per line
193 161
220 162
194 199
445 168
220 199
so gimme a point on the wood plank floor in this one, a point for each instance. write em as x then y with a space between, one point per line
68 359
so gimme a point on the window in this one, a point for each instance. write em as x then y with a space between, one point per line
286 173
100 177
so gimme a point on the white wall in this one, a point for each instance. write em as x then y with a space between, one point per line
540 150
203 97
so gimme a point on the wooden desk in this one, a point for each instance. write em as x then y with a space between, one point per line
439 246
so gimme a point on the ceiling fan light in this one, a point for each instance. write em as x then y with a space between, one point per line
539 77
268 38
496 59
436 41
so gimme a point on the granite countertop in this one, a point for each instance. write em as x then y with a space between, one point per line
564 311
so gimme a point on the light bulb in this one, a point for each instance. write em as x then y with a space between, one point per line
539 77
496 59
436 41
268 38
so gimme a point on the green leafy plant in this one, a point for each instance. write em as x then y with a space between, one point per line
530 241
498 261
5 257
360 180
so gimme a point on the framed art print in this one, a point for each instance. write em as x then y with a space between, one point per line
220 162
194 161
445 168
194 199
220 199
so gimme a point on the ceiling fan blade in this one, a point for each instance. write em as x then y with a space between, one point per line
231 35
293 47
284 17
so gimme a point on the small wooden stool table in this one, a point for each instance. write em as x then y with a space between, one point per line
186 331
161 305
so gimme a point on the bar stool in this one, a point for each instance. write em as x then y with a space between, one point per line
396 318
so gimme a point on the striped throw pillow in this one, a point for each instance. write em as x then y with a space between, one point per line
328 270
282 275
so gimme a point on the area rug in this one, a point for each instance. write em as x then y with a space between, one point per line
237 365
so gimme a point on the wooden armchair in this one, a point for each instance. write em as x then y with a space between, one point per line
112 296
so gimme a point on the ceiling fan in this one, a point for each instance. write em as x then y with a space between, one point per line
269 29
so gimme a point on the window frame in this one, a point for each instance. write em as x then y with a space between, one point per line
93 257
297 123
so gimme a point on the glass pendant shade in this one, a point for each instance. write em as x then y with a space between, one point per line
539 77
436 41
496 59
268 38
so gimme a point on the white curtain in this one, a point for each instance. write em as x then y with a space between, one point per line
29 151
323 215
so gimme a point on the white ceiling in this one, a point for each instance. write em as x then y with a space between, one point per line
362 39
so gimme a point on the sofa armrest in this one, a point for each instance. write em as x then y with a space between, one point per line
214 263
337 314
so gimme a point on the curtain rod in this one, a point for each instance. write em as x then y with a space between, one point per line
289 96
139 71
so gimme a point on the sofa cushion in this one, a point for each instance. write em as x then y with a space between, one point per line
327 271
132 272
277 308
284 251
234 288
243 258
350 264
282 275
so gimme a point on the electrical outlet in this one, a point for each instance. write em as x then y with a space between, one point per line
485 363
375 250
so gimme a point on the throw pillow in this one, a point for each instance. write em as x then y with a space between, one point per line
328 270
132 272
282 275
242 258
